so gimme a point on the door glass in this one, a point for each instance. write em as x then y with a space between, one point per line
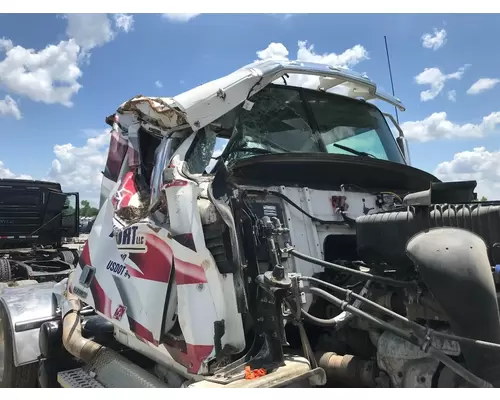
70 216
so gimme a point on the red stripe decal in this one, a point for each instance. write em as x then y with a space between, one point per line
85 256
175 183
186 240
101 300
126 191
194 356
117 150
155 264
141 331
187 273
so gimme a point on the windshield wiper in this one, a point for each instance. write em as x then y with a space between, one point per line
353 151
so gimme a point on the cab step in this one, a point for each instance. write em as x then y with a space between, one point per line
77 378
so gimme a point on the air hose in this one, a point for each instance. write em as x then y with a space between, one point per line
424 344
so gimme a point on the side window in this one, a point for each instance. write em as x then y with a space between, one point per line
200 153
220 145
71 215
69 208
163 154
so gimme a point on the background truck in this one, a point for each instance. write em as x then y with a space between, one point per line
35 218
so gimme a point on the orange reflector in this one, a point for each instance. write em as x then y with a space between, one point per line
255 373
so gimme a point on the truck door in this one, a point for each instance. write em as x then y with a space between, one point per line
71 215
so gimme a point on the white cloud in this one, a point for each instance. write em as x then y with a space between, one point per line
480 165
90 30
482 85
437 126
158 84
5 44
124 22
180 17
348 59
8 106
95 30
79 168
452 95
436 79
275 51
434 41
49 75
6 173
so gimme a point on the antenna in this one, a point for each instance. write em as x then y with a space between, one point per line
390 75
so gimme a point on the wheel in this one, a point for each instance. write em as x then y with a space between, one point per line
67 256
11 376
5 271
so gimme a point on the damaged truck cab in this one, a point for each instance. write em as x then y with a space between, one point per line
257 234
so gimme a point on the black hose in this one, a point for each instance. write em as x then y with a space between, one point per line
345 306
439 355
462 339
330 323
361 274
325 323
376 306
347 220
412 324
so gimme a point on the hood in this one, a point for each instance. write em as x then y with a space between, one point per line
328 171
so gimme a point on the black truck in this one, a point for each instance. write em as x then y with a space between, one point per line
35 218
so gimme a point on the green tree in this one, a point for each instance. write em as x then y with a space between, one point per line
482 199
86 210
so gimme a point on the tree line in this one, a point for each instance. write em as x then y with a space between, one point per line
86 210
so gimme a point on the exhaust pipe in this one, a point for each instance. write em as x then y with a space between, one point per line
347 369
454 265
112 370
73 341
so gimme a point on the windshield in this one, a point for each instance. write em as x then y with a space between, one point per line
282 119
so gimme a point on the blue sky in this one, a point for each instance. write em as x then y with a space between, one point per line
104 60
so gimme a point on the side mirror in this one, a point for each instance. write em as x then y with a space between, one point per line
401 140
405 149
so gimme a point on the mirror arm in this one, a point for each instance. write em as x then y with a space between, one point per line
401 139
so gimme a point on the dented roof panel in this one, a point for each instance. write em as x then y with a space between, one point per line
204 104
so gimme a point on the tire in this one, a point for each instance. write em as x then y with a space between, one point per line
5 271
67 256
25 376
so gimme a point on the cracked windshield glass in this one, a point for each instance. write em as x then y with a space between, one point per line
284 120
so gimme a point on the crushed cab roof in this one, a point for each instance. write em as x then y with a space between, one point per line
204 104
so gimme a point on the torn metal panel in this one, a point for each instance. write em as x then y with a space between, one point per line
162 112
206 103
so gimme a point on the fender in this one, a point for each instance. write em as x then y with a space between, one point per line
27 308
